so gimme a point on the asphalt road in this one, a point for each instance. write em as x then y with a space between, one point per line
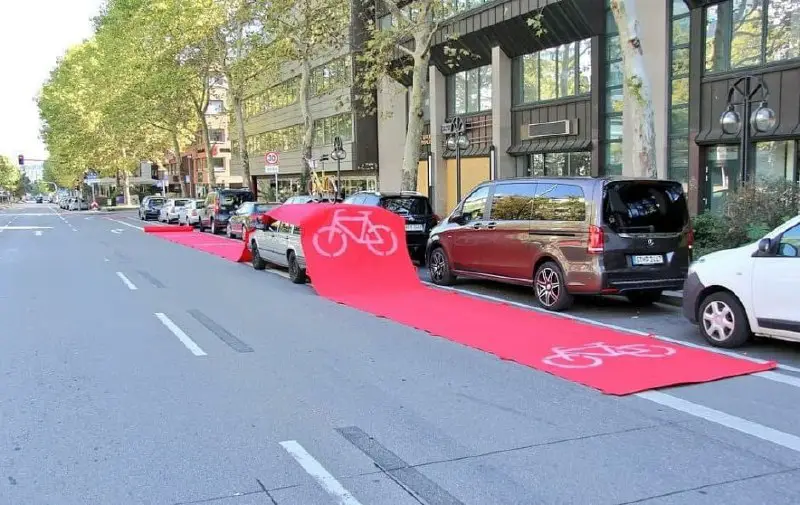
137 371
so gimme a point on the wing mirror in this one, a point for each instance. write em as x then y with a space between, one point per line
457 217
764 245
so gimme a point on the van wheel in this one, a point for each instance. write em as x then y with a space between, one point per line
550 288
723 321
213 227
296 274
439 268
258 263
644 298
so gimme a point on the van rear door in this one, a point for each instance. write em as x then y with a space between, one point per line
646 232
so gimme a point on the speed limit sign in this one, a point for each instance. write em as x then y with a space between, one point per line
271 158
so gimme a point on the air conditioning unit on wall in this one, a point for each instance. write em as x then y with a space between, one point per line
553 128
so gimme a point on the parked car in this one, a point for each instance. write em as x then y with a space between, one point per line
568 236
219 207
279 244
63 202
39 198
150 207
736 293
414 207
169 212
245 216
76 203
189 214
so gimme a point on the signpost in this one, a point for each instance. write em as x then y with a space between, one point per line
271 167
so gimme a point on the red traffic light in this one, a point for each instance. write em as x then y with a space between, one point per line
21 160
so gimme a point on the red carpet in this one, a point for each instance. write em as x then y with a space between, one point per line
233 250
167 229
356 256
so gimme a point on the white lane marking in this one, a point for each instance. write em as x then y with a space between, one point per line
124 223
612 326
739 424
106 260
2 228
183 337
789 380
38 233
313 467
127 281
117 231
279 273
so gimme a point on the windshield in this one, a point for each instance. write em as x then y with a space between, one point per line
156 202
234 200
645 207
417 205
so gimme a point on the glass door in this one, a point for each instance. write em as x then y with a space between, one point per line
723 175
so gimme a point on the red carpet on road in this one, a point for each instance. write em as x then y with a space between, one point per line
357 256
233 250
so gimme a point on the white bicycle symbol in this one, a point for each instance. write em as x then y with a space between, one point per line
591 355
331 240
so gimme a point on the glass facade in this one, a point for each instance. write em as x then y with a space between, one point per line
327 128
275 97
575 164
554 73
748 33
333 75
614 99
470 91
678 140
285 139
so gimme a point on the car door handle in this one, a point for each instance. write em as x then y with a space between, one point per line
476 226
491 225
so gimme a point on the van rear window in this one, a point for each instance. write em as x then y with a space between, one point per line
645 207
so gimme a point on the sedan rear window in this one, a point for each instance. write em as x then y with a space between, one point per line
645 207
181 203
233 200
415 205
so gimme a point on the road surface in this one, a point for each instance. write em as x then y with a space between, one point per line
137 371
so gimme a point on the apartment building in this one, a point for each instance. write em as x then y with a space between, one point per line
555 105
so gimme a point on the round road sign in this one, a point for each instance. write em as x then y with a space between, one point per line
271 158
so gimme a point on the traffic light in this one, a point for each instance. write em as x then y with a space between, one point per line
21 159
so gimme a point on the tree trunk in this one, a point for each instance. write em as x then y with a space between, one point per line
212 179
416 115
126 187
637 90
308 120
244 156
176 146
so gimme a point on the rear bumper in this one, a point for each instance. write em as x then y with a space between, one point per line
692 288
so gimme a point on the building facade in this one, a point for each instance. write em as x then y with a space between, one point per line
554 104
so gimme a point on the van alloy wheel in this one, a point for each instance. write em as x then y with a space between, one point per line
439 268
549 287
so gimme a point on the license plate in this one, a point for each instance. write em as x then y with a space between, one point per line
415 227
650 259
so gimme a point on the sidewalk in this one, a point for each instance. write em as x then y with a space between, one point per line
118 208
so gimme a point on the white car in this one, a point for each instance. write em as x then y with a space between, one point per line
279 244
78 204
170 211
189 214
752 289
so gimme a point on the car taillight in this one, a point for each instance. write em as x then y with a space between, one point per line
435 219
596 239
690 238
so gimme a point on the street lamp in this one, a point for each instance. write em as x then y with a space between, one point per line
338 154
744 92
457 140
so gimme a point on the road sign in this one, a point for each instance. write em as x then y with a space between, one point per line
271 158
271 169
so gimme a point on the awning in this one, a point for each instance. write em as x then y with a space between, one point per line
566 143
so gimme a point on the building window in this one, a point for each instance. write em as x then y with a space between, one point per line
748 33
335 74
340 125
614 99
577 164
216 135
285 139
678 153
470 91
276 97
557 72
776 160
218 164
215 107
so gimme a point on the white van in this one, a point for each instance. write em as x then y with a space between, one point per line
753 289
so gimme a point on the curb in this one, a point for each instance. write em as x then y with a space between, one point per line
117 209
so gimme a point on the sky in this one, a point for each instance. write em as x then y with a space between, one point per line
33 35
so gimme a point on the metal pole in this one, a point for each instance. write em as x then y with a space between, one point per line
93 197
338 178
744 148
276 187
430 178
458 172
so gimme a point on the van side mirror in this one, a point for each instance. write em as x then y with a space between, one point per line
456 217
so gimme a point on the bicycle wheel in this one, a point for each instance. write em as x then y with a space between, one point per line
330 185
330 241
572 361
381 240
310 187
646 350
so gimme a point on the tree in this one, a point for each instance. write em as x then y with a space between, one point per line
636 89
302 31
9 174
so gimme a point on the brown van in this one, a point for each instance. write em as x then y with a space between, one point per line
568 236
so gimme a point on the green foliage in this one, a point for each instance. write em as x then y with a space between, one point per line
9 174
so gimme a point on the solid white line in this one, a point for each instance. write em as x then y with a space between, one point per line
7 227
780 377
183 337
127 281
313 467
733 422
126 224
613 327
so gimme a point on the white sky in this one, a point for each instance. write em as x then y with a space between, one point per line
33 34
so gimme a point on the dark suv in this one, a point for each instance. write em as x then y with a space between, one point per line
220 205
413 206
568 236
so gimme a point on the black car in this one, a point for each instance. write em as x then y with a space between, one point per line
39 199
220 205
414 207
150 207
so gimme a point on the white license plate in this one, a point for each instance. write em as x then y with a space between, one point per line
650 259
415 227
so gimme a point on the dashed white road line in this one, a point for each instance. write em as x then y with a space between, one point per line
2 228
124 223
38 233
318 472
116 231
127 281
183 337
739 424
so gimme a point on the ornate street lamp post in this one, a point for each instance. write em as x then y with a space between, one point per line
457 140
338 154
743 93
